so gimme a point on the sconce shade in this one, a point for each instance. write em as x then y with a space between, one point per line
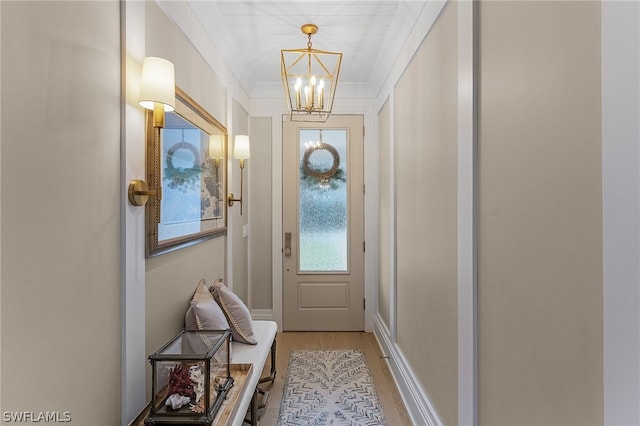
157 84
215 146
241 152
241 147
309 79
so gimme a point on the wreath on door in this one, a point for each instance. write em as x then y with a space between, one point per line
329 178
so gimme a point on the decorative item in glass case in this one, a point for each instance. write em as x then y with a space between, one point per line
191 378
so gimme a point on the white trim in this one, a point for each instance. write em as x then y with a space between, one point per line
133 354
467 242
415 398
371 215
230 237
1 212
277 214
393 282
621 210
262 314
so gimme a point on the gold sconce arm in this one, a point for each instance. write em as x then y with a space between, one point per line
158 115
231 200
241 152
230 197
139 193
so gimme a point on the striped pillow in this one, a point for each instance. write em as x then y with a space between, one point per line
236 311
204 313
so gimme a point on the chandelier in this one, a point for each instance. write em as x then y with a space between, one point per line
309 79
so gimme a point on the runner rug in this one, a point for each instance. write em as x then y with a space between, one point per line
329 388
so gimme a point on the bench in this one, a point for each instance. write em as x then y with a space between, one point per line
242 353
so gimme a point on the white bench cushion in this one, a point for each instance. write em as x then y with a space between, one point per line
242 353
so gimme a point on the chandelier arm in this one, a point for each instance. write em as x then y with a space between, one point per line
319 61
305 51
294 63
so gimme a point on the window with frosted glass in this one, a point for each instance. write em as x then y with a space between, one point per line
323 201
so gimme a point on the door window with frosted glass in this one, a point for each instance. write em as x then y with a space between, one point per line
323 206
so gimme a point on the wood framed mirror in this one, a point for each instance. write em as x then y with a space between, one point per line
186 164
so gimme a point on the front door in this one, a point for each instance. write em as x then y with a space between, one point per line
323 224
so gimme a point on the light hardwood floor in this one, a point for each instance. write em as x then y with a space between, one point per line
392 404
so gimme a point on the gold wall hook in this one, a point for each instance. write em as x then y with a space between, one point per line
139 193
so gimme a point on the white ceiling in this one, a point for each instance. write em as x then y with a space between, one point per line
250 34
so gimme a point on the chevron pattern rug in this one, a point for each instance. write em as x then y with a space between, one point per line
329 388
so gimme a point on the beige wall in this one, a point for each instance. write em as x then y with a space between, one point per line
171 278
60 206
384 210
239 280
260 258
540 232
540 289
426 197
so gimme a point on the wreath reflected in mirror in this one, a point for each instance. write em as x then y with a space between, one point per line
313 177
183 178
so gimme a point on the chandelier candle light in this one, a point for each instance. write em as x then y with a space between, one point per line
309 79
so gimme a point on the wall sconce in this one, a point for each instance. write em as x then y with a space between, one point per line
241 152
158 88
157 93
216 152
215 149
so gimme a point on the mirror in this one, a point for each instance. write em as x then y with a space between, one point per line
186 161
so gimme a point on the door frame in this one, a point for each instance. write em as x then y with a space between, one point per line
351 318
368 109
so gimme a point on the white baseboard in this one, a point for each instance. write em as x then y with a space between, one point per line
262 314
415 399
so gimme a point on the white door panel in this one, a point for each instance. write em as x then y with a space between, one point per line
323 224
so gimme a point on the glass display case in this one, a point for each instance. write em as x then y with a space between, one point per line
191 377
